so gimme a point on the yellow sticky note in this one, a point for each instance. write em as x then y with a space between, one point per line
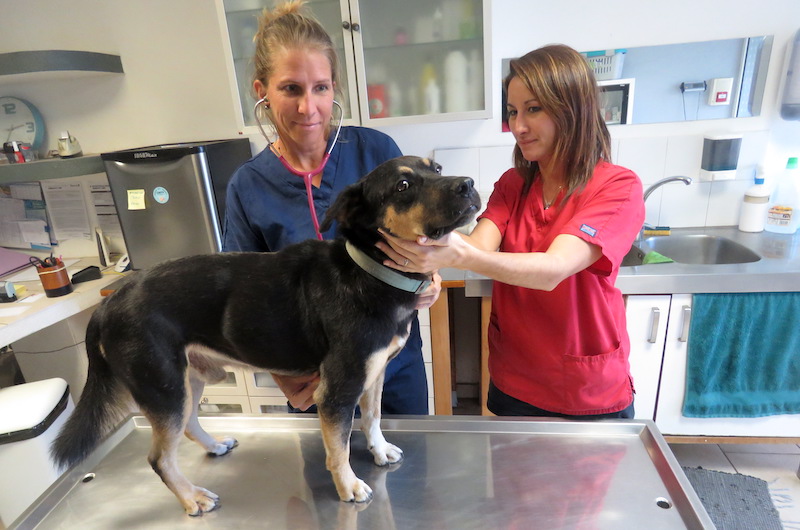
135 199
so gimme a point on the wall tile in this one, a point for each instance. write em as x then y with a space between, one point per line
645 156
725 202
462 162
683 206
494 161
684 154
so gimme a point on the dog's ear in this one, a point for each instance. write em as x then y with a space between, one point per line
347 208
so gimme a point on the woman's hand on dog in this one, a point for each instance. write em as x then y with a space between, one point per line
299 390
424 254
429 296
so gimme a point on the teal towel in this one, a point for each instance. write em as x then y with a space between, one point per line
743 355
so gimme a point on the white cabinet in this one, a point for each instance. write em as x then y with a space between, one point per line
659 326
669 416
401 62
647 327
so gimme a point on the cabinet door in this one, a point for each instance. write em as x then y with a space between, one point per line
422 60
647 327
669 413
239 23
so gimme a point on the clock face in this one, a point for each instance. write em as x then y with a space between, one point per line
20 121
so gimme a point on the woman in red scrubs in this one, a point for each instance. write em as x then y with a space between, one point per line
552 237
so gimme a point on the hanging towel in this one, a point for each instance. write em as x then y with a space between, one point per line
743 355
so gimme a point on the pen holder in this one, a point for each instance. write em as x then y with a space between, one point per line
55 280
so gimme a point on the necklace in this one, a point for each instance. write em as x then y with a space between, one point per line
549 203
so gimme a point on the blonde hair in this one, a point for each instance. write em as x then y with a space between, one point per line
289 26
564 85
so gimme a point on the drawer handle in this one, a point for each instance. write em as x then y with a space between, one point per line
687 318
655 317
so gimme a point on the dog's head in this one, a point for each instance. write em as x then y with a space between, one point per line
407 197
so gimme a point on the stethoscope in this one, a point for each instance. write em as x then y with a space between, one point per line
305 175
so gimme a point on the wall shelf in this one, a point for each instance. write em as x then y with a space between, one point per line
51 168
40 64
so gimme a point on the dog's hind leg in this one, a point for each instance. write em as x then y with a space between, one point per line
212 445
163 458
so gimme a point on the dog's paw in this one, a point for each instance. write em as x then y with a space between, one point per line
224 446
202 501
359 492
386 454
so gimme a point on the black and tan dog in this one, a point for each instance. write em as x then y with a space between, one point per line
315 306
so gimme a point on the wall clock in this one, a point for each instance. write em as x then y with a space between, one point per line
20 121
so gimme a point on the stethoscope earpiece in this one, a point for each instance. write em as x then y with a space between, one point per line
305 175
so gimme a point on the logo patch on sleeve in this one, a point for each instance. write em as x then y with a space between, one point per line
586 229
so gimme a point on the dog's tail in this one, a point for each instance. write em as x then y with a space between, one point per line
101 406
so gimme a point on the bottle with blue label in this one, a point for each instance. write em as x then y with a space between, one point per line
783 216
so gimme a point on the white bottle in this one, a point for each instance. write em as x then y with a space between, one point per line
456 82
755 205
783 216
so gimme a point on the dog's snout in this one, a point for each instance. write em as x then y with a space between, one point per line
463 186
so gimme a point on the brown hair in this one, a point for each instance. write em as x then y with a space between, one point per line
289 26
564 85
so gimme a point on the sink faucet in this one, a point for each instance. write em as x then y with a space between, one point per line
653 187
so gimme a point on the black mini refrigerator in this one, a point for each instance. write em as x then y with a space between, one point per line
171 198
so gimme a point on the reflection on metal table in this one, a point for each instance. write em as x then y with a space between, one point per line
458 472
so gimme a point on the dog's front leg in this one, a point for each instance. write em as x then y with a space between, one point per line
336 428
383 452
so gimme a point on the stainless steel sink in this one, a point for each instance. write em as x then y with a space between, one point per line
695 249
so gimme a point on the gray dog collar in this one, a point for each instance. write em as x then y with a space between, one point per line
385 274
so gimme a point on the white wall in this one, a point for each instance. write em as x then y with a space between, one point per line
176 85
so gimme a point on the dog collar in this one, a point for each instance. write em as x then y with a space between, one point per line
385 274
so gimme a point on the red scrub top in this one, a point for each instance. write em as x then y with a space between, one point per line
566 350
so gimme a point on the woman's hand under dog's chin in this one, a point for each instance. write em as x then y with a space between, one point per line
421 256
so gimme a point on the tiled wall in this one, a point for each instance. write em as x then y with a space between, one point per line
700 204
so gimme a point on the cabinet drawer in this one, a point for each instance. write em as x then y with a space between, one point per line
224 405
260 383
233 385
268 405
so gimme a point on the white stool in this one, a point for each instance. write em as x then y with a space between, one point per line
31 415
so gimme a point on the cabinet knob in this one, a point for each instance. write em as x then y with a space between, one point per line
354 26
656 316
687 319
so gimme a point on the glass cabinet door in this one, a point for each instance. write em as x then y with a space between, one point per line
400 61
241 18
421 58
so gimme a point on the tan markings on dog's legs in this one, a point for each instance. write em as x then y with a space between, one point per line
406 225
337 449
196 433
163 458
382 451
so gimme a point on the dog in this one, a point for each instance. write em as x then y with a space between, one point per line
320 306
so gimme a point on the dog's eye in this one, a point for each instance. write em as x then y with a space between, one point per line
437 168
403 185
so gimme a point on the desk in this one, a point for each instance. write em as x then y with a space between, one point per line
48 337
48 311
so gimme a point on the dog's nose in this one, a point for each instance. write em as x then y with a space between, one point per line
463 186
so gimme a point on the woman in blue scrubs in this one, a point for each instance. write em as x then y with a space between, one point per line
267 202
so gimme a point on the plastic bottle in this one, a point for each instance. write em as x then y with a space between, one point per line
783 216
755 205
456 82
430 92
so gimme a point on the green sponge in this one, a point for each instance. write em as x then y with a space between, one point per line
655 257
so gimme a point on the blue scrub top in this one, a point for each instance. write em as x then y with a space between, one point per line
267 207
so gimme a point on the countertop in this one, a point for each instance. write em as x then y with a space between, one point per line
778 270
